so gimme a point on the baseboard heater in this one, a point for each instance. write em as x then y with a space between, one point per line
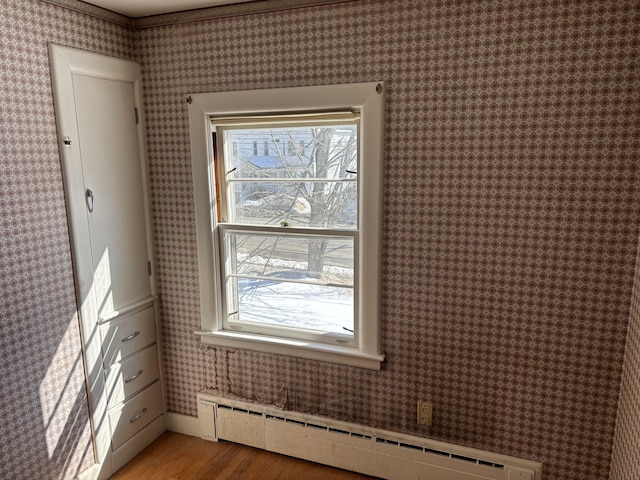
374 452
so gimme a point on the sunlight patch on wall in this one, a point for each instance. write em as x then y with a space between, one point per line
61 387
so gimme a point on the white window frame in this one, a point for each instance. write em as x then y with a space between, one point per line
368 100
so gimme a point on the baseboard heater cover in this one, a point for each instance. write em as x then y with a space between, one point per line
379 453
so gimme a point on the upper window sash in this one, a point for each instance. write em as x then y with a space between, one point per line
289 174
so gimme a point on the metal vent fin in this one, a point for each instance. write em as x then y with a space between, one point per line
440 453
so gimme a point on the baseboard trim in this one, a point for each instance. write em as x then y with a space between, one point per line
90 473
179 423
137 443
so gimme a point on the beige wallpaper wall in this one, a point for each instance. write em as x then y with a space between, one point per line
510 214
625 462
44 422
510 227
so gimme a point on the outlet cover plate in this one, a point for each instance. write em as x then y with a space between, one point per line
425 413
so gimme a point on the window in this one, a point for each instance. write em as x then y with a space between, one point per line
288 244
287 233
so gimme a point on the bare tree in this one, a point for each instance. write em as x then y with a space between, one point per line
328 200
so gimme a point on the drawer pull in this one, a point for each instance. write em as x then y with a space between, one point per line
131 337
133 377
138 415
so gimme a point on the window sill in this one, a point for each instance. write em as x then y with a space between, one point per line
293 348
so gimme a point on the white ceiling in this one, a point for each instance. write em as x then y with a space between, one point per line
143 8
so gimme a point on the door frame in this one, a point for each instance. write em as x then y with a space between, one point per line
64 63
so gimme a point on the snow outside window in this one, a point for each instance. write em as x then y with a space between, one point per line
288 234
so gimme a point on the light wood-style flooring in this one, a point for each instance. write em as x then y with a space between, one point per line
181 457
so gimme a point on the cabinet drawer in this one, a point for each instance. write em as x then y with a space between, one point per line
122 337
135 414
132 375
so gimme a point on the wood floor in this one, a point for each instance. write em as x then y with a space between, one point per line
181 457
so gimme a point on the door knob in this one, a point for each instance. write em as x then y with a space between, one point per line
90 199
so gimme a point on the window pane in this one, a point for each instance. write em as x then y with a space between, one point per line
312 307
287 280
262 185
327 152
292 258
317 204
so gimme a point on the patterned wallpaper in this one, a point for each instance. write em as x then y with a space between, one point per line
510 223
625 462
44 422
510 214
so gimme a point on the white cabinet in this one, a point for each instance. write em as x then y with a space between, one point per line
101 135
132 373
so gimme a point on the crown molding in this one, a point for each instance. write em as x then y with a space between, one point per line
198 15
93 11
222 11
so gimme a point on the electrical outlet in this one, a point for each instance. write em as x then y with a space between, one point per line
425 413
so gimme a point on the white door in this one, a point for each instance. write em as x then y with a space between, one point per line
111 170
104 168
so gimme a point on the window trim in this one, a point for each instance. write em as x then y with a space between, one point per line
368 100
